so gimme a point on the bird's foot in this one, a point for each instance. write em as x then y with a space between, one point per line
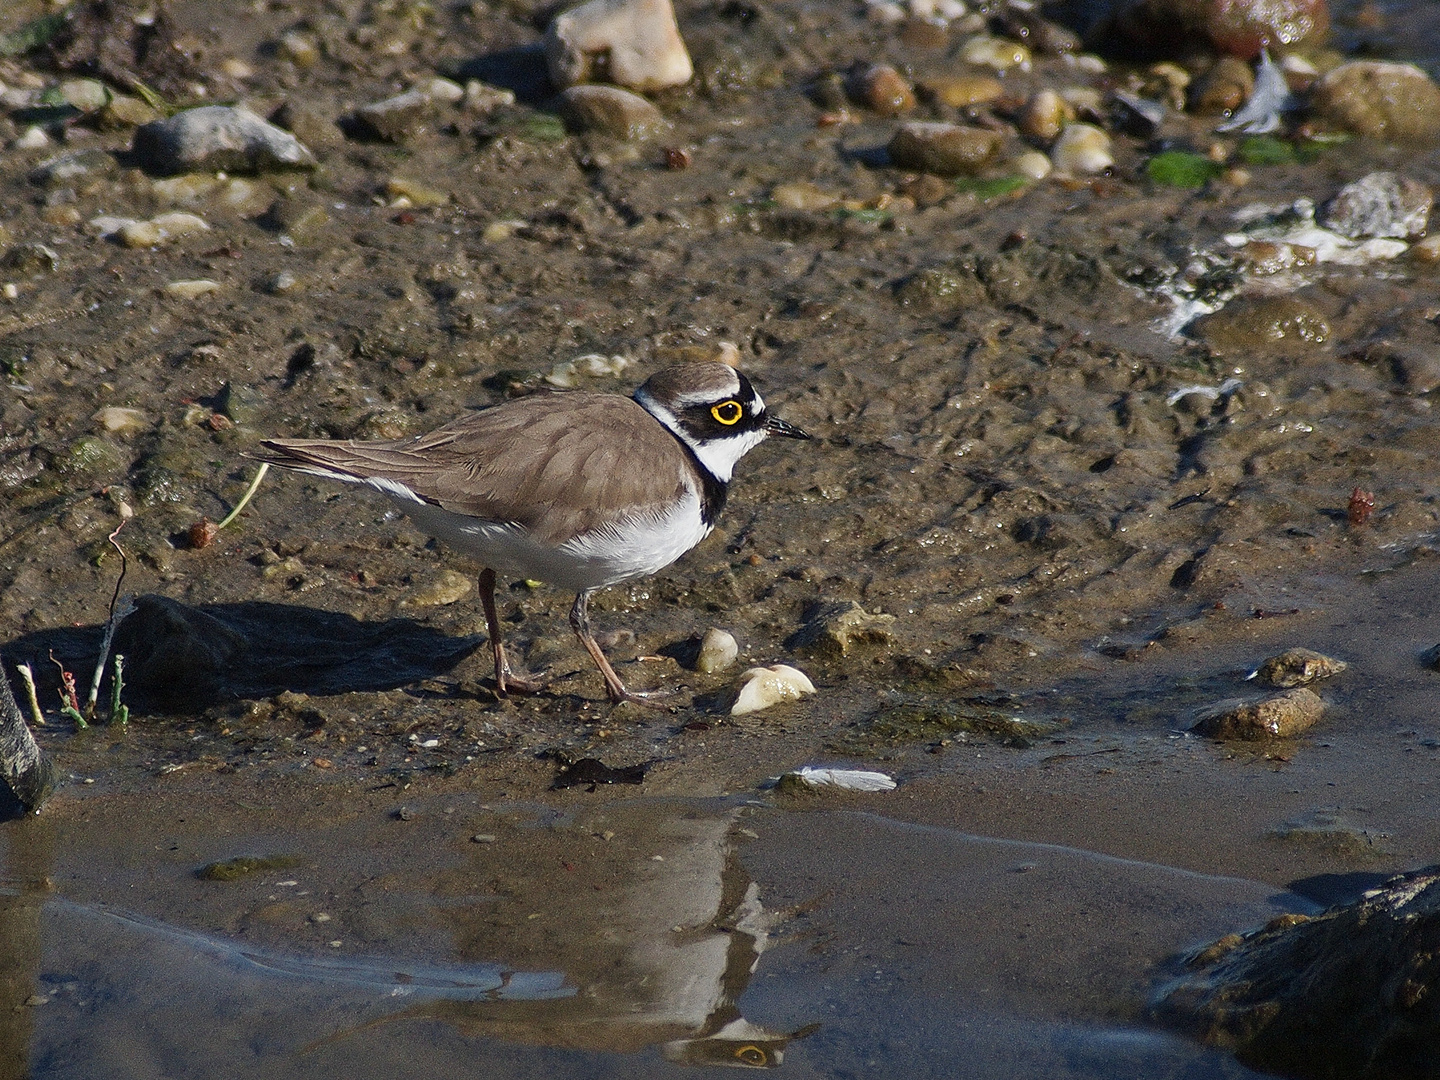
508 683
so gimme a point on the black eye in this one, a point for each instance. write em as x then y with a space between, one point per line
728 413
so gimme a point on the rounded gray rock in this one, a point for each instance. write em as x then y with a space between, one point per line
216 138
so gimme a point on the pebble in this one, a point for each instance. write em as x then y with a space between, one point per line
632 43
1381 100
483 98
881 88
612 111
766 686
997 53
158 230
119 420
395 118
962 91
446 90
189 290
1380 204
809 776
283 284
218 138
1081 150
1298 667
803 195
124 111
445 587
300 50
1279 716
1271 325
68 168
1033 165
87 95
1044 115
943 149
312 125
32 138
567 374
1428 250
834 629
414 192
718 651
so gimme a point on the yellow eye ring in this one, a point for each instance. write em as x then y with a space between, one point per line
727 413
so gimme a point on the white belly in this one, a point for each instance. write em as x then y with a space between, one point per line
634 548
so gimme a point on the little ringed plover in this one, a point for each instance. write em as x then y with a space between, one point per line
582 490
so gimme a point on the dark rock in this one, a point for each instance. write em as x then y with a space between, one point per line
943 149
1352 993
834 629
1275 717
176 655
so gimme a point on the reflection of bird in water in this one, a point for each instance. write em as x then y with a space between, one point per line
660 954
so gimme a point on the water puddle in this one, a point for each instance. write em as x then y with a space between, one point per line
639 938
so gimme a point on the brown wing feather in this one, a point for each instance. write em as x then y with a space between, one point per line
558 464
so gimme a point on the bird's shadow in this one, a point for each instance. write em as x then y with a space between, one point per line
180 658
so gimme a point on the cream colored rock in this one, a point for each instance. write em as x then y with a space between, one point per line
1044 115
803 195
766 686
120 420
189 290
1082 150
718 651
633 43
446 587
1033 165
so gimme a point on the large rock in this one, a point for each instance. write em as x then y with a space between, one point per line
611 111
218 138
1352 993
943 149
1380 204
1384 101
1237 27
632 43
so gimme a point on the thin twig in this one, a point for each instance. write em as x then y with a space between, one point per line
119 608
249 494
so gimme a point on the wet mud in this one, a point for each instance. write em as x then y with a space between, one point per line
1074 520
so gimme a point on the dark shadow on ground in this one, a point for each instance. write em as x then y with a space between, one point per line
1332 889
521 70
181 657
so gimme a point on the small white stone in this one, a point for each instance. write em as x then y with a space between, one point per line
633 43
189 290
1082 150
482 97
444 90
11 291
996 53
848 779
567 373
1032 164
118 419
497 231
766 686
177 223
141 234
107 224
885 12
32 138
718 651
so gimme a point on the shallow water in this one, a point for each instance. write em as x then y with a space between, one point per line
877 948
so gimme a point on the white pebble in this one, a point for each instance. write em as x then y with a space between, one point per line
718 651
117 418
996 53
443 90
766 686
1082 150
849 779
1032 164
189 290
32 138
